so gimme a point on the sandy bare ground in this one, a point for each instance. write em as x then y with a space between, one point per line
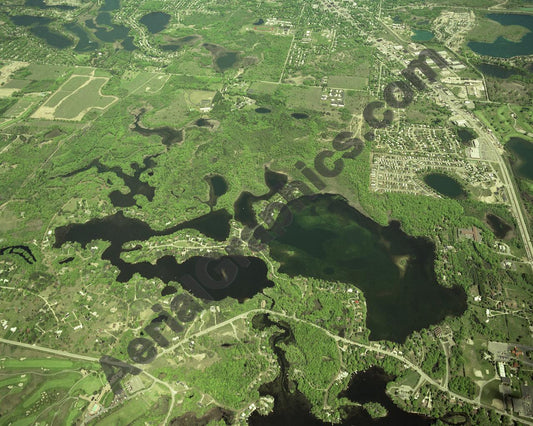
10 68
5 74
6 93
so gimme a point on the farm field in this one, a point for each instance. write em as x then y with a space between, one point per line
264 213
347 82
77 96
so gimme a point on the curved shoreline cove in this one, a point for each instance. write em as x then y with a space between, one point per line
218 277
445 185
330 240
291 407
501 47
217 188
133 182
169 135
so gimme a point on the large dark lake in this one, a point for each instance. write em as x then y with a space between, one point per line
370 386
497 70
38 26
106 30
329 239
503 48
209 278
84 44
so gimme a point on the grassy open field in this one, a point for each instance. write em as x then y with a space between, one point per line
490 391
347 82
500 119
20 106
69 86
44 71
40 389
475 366
16 84
15 380
143 82
304 97
488 30
53 364
196 98
410 379
75 98
129 412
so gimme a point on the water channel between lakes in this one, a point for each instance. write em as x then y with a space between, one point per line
326 239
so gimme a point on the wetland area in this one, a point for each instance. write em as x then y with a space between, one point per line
292 407
522 152
501 47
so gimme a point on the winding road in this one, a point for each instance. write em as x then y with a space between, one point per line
370 347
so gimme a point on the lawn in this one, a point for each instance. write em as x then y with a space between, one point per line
488 30
13 381
347 82
52 364
128 413
491 391
474 363
65 381
20 106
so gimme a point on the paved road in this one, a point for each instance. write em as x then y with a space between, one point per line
492 142
371 347
407 364
48 350
458 108
374 348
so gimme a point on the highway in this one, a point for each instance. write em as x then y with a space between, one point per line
486 137
373 347
48 350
